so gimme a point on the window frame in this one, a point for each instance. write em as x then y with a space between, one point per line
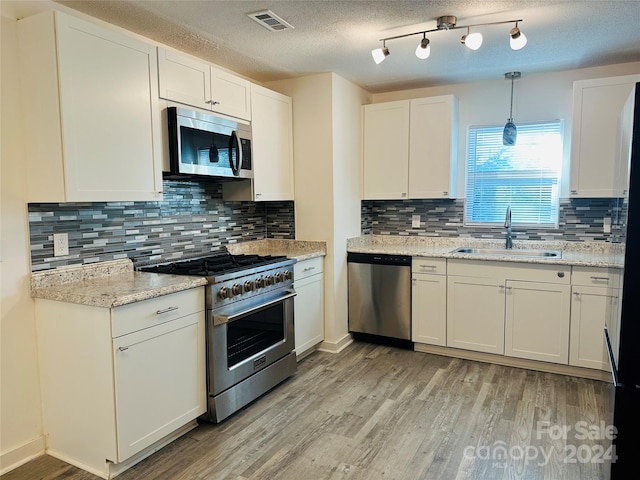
559 126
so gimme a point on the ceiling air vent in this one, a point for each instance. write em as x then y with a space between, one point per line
270 20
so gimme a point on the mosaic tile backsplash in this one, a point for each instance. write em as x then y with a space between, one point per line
580 220
191 220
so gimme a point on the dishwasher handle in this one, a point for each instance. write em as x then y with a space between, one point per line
378 259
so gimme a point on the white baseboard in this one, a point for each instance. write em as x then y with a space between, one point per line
112 469
336 347
20 455
515 362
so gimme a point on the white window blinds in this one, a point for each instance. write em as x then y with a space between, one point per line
525 176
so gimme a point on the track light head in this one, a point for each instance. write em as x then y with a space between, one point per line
517 39
379 54
423 50
472 41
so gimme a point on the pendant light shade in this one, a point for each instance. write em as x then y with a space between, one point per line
510 132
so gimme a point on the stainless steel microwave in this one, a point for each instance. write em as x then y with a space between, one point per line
208 145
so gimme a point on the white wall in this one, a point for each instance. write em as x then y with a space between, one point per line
20 412
543 96
326 150
347 101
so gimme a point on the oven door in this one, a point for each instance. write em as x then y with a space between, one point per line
247 336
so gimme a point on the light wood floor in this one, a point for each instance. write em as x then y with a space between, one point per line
374 412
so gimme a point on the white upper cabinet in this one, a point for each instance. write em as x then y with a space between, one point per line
433 147
597 169
386 151
271 150
410 149
187 80
272 144
91 108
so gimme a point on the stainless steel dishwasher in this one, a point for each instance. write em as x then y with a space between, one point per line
379 295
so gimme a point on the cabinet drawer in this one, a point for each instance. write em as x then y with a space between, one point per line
306 268
596 277
148 313
436 266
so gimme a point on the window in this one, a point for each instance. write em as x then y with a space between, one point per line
525 176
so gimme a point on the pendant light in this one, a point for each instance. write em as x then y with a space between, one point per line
510 132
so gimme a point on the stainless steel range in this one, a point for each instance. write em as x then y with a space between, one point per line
249 325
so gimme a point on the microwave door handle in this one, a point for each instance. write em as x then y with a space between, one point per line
235 139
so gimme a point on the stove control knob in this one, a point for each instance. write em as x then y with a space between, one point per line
279 277
248 286
259 282
223 293
268 280
236 289
287 275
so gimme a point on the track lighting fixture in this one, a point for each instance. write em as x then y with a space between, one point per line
379 54
517 40
423 50
473 40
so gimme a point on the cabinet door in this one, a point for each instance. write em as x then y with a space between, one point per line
432 147
597 105
429 309
272 144
159 382
230 94
591 309
183 79
110 114
537 321
475 314
309 313
386 151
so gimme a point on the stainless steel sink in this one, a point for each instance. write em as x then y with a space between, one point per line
504 252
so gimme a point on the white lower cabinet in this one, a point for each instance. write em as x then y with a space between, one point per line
594 305
117 381
308 304
513 309
429 301
475 313
537 321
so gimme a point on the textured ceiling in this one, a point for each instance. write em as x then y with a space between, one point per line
337 36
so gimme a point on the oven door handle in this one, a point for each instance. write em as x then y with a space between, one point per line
219 319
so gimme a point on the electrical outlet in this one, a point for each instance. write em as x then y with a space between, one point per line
606 225
60 244
415 221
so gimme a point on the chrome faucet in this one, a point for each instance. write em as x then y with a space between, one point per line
507 224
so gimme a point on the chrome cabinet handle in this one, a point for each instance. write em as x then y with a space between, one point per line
604 279
446 194
212 102
508 288
166 310
576 294
122 349
308 269
428 266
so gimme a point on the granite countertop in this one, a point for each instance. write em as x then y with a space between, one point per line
298 249
588 254
107 284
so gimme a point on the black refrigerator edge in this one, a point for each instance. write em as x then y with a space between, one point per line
624 345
